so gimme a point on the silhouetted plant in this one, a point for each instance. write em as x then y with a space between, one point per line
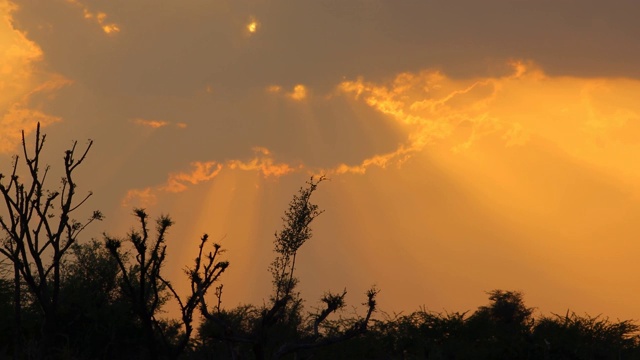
571 336
507 309
500 330
279 329
6 310
94 313
39 230
147 289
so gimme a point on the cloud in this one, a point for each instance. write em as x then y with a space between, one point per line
429 106
17 56
177 182
263 163
516 135
428 103
202 171
156 124
298 93
99 17
586 118
17 119
139 198
274 89
381 161
589 118
22 80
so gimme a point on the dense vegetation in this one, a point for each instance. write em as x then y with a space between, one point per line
62 297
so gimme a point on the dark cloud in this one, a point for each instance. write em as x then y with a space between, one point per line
175 48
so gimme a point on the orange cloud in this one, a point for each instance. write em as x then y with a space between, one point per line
263 163
139 198
298 93
203 171
428 105
177 182
594 120
99 17
154 124
17 57
274 89
17 119
591 119
20 79
516 135
381 161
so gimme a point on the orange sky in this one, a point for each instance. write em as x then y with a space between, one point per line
470 145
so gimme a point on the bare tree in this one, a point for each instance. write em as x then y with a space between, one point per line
206 270
146 287
39 229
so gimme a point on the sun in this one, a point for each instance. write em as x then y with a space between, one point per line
252 27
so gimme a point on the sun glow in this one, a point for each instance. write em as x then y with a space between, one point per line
252 26
230 212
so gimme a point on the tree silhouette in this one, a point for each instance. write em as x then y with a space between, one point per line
500 330
278 329
571 336
39 230
94 313
147 289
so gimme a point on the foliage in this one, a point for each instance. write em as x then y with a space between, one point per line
503 329
584 337
95 312
296 231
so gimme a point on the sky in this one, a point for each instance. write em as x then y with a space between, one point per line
470 145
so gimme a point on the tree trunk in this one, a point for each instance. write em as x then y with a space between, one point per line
17 309
258 351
